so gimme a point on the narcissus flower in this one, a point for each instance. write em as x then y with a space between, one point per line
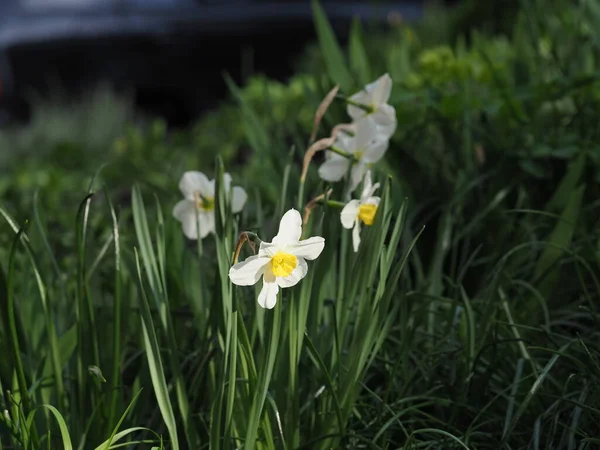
281 263
365 147
362 210
198 206
374 98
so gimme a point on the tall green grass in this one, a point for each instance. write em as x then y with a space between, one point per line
480 331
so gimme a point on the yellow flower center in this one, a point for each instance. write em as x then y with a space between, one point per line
366 213
204 203
358 155
283 264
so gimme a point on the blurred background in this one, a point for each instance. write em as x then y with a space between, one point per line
148 85
169 55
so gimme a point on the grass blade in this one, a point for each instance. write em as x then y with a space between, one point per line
155 365
332 53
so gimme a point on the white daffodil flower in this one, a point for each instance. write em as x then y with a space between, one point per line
375 96
366 147
198 206
281 263
363 210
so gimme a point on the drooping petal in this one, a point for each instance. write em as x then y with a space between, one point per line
356 175
297 274
248 272
192 182
268 294
238 199
356 236
381 89
349 214
334 169
206 221
309 248
290 228
375 151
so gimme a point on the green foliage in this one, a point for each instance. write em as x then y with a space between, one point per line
480 334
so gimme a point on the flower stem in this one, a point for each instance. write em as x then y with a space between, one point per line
333 203
264 377
341 152
367 108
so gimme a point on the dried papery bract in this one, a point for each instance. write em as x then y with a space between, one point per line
311 205
246 236
321 111
323 144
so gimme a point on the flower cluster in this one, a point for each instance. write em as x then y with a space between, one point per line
374 124
282 262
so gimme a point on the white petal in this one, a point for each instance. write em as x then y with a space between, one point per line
226 181
349 214
225 187
366 133
185 212
183 208
207 223
385 121
373 189
375 151
248 272
290 228
356 236
345 142
381 89
297 274
361 97
367 185
356 175
268 294
267 249
192 182
371 201
238 199
334 169
309 248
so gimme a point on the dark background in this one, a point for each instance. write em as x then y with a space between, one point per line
170 54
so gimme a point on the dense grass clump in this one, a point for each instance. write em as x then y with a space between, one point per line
468 318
